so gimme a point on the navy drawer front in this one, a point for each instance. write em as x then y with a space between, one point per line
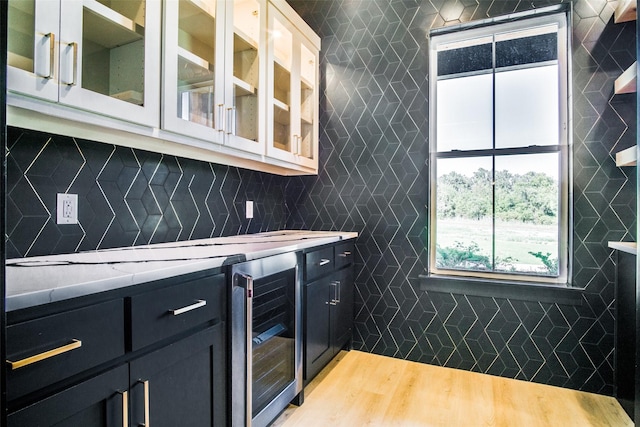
162 313
49 349
344 254
319 263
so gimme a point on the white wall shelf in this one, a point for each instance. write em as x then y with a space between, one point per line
625 11
628 247
627 157
626 83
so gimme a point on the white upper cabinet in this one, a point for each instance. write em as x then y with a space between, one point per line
292 107
98 56
214 73
225 81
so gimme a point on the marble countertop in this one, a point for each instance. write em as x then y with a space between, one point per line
40 280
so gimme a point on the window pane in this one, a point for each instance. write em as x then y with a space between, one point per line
464 106
527 213
465 59
527 50
464 210
527 109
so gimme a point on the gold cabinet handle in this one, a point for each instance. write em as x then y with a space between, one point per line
125 408
146 402
45 355
73 79
52 48
199 303
219 126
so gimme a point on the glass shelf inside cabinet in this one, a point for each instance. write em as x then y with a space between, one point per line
246 68
21 34
196 54
281 110
113 48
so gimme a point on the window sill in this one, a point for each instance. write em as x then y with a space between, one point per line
560 294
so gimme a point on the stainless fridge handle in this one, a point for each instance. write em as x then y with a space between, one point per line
249 344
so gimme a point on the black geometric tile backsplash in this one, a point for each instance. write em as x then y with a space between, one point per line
127 197
373 179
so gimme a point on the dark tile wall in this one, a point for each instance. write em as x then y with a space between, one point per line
374 132
127 197
374 129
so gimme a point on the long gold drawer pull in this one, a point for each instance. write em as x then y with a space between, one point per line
345 254
125 408
324 262
199 303
45 355
146 402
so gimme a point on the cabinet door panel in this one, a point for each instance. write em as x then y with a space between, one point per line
32 48
317 336
110 58
342 315
96 402
184 384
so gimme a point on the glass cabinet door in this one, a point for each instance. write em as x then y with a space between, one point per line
281 85
109 57
292 126
245 84
32 63
194 98
308 130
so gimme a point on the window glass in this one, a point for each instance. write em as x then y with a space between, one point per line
527 107
465 114
527 213
465 59
464 209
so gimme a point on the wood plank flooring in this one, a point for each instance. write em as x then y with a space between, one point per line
362 389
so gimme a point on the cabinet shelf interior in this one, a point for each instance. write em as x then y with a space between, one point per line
107 28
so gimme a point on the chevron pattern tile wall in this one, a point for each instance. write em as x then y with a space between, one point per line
373 179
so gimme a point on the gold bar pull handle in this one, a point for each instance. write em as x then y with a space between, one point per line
146 402
45 355
219 126
72 69
125 408
199 303
51 57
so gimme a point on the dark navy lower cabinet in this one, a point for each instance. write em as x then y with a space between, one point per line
328 305
626 345
94 366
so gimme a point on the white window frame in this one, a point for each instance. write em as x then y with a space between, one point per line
448 35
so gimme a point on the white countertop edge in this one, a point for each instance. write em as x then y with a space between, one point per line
125 274
45 296
628 247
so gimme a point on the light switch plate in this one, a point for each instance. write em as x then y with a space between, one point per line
67 209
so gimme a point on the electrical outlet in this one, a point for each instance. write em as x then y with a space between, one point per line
67 209
249 209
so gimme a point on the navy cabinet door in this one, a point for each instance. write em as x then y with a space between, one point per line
181 384
317 334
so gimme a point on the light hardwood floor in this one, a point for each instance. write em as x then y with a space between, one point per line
362 389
